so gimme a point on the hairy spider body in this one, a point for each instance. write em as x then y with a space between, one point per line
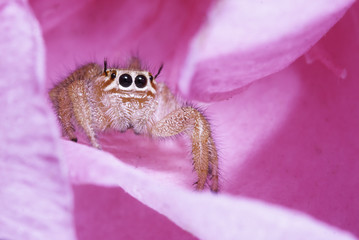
97 99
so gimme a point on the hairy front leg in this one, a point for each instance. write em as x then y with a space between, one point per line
213 164
63 107
82 110
189 120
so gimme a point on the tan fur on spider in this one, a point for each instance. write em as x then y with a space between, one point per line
98 98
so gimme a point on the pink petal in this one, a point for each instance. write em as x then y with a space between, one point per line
295 134
35 199
205 215
158 31
278 142
289 140
243 41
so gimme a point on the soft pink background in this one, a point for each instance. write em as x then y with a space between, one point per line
286 131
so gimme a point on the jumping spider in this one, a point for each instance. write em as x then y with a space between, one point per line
97 99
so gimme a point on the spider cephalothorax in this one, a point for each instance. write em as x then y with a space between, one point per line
96 99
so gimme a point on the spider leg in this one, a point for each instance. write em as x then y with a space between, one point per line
189 120
62 104
82 109
213 164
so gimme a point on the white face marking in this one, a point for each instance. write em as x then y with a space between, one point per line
116 83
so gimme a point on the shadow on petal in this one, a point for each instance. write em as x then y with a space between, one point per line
110 213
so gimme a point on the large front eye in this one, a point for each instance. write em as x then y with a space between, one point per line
140 81
125 80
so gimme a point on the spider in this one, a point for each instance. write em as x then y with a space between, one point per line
97 98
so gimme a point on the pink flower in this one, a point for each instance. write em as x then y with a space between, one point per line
288 142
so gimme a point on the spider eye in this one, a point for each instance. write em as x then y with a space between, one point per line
140 81
113 75
125 80
151 78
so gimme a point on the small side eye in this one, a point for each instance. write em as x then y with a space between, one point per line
151 78
113 75
125 80
140 81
